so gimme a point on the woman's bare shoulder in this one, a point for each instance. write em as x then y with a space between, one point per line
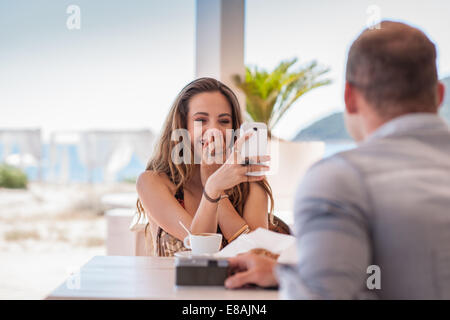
150 179
257 190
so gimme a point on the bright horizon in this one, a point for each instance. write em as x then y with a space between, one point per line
121 71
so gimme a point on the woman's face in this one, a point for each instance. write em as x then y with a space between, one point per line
208 111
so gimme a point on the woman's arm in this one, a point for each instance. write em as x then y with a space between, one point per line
255 212
256 207
158 200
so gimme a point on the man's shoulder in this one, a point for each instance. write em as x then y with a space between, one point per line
349 162
339 165
335 178
334 187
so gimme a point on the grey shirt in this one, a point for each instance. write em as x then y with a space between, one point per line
386 204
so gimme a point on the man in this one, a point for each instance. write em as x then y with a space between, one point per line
375 221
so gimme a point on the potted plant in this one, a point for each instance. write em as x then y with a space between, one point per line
269 95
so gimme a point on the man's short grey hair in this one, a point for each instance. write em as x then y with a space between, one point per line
395 69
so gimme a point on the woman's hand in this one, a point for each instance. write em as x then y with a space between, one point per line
234 170
213 154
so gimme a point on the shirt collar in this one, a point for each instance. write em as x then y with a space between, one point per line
409 122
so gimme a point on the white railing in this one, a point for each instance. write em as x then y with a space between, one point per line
106 150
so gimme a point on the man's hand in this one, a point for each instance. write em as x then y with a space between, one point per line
251 269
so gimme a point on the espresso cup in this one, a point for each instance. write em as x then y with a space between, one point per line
202 243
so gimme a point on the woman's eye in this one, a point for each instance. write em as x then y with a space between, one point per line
225 121
201 120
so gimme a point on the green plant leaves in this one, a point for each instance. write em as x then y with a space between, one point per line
270 94
11 177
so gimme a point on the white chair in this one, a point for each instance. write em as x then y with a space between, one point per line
143 245
119 240
125 235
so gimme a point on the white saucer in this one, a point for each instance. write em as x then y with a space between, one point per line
189 254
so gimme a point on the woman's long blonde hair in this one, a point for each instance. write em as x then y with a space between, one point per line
180 174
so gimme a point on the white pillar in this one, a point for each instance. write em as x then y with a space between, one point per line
220 41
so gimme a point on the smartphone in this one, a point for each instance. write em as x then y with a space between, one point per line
201 271
256 145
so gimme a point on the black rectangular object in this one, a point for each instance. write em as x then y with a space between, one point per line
200 272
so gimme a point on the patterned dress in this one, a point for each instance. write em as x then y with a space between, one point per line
166 244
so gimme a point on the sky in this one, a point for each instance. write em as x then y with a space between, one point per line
124 66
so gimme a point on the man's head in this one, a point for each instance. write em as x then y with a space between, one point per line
391 71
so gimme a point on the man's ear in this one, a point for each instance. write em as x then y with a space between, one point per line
350 99
441 93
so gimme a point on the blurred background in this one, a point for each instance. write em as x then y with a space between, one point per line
85 87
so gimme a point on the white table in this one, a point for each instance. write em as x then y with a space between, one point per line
125 277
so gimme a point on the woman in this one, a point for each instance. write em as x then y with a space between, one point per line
205 197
